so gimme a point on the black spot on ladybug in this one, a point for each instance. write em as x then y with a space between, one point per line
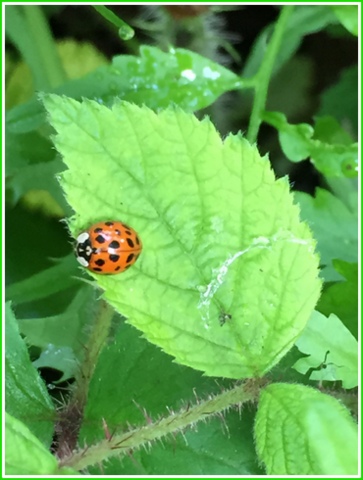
98 230
100 239
96 269
129 258
100 262
117 268
109 224
114 258
114 244
128 232
137 240
130 242
117 232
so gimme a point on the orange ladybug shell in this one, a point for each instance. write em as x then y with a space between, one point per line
108 247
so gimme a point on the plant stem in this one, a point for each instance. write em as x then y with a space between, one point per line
96 341
124 443
125 31
71 417
48 71
264 73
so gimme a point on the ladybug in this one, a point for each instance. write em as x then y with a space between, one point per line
108 247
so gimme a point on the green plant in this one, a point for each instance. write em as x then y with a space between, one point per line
235 372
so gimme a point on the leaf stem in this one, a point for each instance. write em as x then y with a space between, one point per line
262 78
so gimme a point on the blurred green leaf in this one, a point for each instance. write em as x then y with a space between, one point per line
65 329
333 157
78 59
341 99
327 129
334 226
28 29
341 298
174 181
26 395
155 78
39 176
17 30
25 455
332 351
24 150
348 16
45 283
301 431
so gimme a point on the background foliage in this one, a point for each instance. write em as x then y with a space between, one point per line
287 79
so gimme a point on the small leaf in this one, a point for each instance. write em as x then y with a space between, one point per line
334 226
332 351
26 395
222 238
334 157
301 431
341 298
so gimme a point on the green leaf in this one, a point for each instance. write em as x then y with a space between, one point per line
334 226
341 99
28 29
26 395
156 79
348 17
39 176
222 238
65 329
25 454
61 337
45 283
301 431
18 31
25 149
341 298
332 351
334 157
115 394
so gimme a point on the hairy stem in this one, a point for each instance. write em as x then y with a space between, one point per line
124 443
